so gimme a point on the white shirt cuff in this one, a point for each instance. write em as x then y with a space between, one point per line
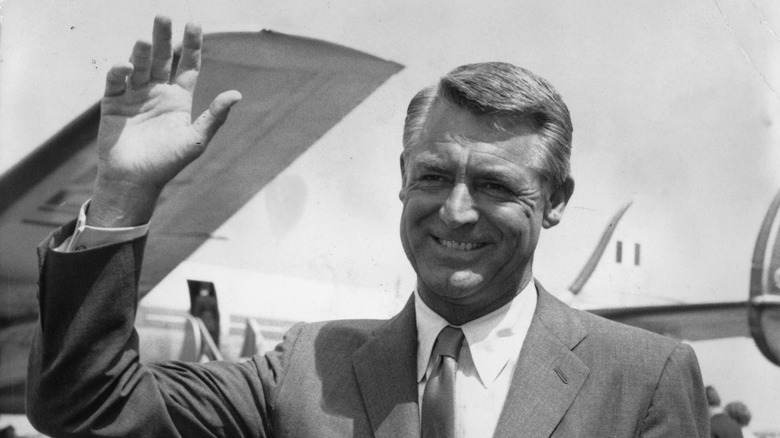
87 237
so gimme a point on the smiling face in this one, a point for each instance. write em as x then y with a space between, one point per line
473 210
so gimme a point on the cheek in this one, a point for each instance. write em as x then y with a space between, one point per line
518 227
409 226
417 207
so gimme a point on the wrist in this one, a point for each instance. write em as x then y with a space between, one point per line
119 205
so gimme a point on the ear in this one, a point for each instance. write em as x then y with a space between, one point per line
558 201
402 193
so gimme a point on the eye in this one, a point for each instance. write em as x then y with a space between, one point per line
432 181
497 189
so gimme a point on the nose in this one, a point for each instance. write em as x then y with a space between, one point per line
459 209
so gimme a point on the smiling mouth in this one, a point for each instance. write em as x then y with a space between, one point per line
460 246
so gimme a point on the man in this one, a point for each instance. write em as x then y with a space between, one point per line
484 169
741 414
722 425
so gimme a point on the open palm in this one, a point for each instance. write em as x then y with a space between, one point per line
146 135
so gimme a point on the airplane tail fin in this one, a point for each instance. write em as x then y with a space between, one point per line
593 261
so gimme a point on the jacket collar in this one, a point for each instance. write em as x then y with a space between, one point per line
548 375
386 369
547 378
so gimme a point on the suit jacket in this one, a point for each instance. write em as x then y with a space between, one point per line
577 374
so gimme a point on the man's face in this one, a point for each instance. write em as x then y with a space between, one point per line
473 209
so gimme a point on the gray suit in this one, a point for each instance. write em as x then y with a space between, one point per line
577 374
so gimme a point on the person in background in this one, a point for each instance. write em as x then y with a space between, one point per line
721 424
741 414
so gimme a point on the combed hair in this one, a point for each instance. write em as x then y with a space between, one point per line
506 96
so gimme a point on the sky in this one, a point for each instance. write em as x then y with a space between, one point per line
675 106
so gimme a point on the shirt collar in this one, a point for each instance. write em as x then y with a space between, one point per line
493 339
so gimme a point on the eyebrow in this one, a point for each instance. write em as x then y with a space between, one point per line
513 184
495 177
430 165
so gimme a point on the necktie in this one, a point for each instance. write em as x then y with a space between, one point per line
438 403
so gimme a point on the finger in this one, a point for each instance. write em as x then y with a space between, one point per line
162 50
189 62
207 124
141 60
116 79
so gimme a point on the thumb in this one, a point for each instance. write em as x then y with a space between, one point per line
207 124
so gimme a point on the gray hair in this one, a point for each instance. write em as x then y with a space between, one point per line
506 96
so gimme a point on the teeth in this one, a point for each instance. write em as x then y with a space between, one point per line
459 245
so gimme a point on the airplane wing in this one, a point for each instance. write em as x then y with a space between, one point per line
294 90
690 322
757 317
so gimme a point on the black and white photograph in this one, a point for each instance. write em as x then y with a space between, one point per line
390 219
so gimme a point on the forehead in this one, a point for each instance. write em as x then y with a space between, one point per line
452 133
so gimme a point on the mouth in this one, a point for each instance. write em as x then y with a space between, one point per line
459 246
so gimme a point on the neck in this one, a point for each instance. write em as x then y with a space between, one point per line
457 313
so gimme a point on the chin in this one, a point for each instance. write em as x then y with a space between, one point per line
450 284
464 280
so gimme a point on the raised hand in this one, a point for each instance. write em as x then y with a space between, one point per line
146 135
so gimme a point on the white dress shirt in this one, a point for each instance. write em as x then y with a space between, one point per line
85 236
487 359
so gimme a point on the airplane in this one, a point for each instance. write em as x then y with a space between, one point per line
48 186
294 90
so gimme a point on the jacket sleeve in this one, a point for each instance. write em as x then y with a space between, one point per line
679 405
85 378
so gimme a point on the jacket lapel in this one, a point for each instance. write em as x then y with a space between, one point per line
386 370
548 375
